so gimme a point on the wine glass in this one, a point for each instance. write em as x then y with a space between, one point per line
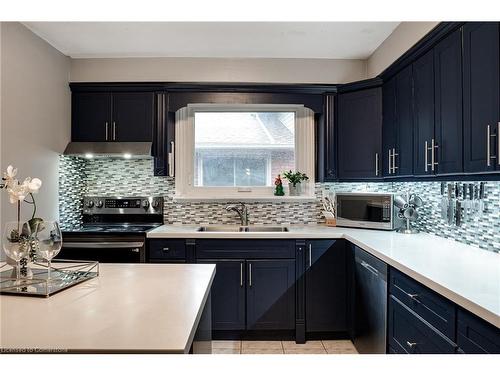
16 242
48 241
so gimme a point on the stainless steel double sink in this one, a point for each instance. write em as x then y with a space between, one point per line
249 228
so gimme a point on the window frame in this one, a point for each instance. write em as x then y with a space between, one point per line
304 151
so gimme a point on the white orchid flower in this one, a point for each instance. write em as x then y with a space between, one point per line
34 185
17 192
11 173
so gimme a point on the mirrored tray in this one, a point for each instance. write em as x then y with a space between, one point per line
64 274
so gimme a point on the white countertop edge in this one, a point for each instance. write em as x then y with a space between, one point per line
189 231
198 315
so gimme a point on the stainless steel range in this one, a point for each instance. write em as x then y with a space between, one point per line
113 229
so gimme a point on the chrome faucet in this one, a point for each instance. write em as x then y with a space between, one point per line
242 212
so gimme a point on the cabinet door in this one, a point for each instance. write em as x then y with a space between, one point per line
133 116
423 85
325 141
388 125
481 94
270 294
448 101
326 286
360 134
228 294
403 159
91 117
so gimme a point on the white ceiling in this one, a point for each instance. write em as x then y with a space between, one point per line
327 40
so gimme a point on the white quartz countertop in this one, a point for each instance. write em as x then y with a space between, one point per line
465 274
128 308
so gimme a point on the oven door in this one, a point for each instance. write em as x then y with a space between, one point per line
104 250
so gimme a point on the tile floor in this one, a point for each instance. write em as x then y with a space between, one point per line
283 347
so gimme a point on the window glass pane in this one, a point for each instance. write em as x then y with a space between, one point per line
243 148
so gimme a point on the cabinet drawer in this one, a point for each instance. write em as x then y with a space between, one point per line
167 249
408 333
474 335
245 249
433 308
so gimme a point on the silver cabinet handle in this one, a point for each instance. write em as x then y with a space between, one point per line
249 274
426 158
376 164
171 160
488 150
390 163
411 345
107 130
394 160
136 250
310 255
241 274
166 249
433 156
114 131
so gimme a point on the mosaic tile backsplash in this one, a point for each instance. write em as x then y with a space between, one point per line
108 177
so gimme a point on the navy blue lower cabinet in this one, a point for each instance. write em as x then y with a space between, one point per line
228 294
474 335
271 294
409 333
326 286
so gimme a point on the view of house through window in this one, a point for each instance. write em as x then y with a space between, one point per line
242 148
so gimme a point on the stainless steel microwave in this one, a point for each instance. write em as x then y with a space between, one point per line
367 210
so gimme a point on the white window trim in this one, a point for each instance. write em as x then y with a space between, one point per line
184 154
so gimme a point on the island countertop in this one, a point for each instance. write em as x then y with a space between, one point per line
465 274
142 308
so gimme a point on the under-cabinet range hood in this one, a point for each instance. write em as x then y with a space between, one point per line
125 150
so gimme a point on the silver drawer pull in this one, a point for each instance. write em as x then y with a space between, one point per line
413 296
411 345
165 249
136 250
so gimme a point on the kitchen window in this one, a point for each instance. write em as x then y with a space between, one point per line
236 151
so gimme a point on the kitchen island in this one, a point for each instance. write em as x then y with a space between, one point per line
129 308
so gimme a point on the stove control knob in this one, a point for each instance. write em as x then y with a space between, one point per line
90 204
156 204
99 204
145 204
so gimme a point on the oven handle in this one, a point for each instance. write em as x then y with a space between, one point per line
103 245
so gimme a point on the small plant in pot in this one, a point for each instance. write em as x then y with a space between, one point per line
295 182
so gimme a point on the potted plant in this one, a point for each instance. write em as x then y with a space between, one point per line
295 181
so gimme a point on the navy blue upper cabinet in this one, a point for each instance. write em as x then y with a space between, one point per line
448 104
90 117
132 116
326 286
398 125
360 134
108 117
388 124
437 82
423 83
481 79
271 294
228 294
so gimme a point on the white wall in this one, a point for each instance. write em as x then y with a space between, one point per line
35 114
217 70
400 41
